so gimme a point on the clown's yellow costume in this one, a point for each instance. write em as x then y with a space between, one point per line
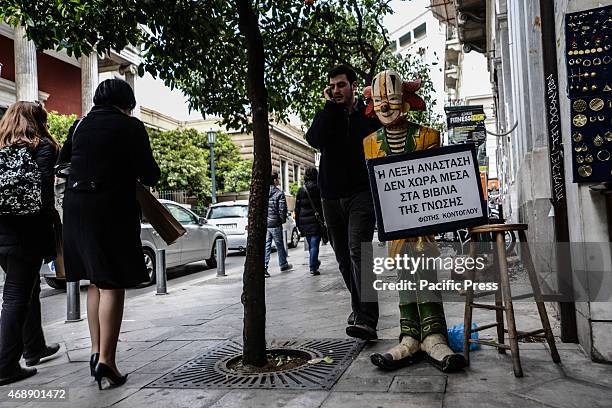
422 321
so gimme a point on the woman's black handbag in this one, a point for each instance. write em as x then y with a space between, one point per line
320 220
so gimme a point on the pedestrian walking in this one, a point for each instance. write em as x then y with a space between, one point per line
27 157
108 151
338 131
309 217
277 216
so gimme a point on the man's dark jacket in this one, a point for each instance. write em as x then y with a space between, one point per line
339 136
277 208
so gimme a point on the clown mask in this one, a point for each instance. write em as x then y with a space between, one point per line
387 92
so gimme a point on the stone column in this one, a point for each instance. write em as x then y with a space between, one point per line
26 73
130 77
89 80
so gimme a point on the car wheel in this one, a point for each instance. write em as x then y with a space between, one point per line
212 261
56 283
295 239
149 258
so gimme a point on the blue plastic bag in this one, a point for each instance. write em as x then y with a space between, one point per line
455 338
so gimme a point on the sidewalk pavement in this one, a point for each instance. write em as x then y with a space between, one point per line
160 333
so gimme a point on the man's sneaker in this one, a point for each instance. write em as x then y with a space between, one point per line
286 267
48 351
351 319
361 331
266 274
315 273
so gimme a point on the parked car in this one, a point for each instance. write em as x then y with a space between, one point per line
232 218
199 243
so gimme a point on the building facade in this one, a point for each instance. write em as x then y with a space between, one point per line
63 84
421 30
525 45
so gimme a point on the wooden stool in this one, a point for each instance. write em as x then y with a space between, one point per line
503 299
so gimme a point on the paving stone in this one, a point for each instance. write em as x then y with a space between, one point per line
201 345
270 398
147 355
181 355
363 384
159 367
152 333
170 345
83 354
568 393
171 398
140 380
86 397
492 371
488 400
418 383
382 400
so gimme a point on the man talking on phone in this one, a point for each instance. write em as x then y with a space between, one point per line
338 131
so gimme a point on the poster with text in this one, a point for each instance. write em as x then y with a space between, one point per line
465 124
427 192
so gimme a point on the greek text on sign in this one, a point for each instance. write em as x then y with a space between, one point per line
421 191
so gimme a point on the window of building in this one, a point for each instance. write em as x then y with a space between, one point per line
297 177
420 31
284 176
393 46
405 39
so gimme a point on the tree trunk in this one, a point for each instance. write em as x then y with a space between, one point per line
253 292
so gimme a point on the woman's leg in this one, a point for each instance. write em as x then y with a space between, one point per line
110 314
93 304
21 275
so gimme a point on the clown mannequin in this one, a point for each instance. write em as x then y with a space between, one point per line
423 330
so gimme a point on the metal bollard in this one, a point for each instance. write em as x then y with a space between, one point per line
160 271
220 251
73 302
286 241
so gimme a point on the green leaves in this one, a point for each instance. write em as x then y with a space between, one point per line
238 178
184 160
182 163
195 46
59 125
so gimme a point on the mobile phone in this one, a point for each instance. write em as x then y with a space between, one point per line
330 94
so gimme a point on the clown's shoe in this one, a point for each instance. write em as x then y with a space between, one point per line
440 355
407 352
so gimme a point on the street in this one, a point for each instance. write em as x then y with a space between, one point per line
53 301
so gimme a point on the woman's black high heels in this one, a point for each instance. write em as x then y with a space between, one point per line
93 362
103 371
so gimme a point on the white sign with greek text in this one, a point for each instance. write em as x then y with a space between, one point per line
427 191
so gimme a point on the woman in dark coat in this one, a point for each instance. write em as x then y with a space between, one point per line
26 238
108 151
306 219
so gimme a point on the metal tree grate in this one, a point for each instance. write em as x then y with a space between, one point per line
210 370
